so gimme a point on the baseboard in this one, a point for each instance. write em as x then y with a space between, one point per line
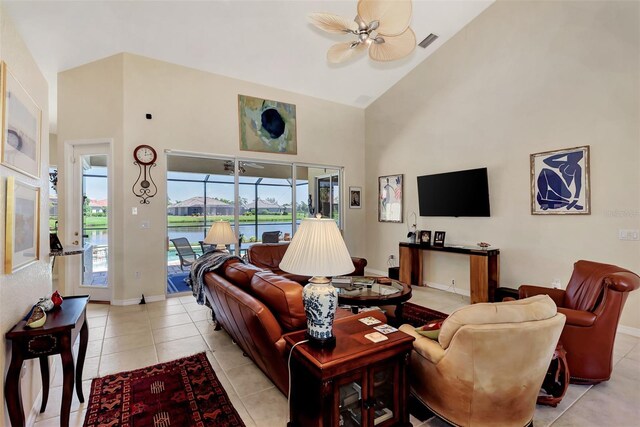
449 288
629 330
133 301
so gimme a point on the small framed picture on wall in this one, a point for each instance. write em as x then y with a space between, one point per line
425 237
438 238
355 197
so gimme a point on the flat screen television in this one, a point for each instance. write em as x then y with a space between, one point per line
460 193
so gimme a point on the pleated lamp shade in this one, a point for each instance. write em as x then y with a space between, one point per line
317 249
220 234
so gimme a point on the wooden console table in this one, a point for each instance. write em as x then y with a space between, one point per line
484 267
57 336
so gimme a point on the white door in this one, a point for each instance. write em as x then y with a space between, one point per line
88 216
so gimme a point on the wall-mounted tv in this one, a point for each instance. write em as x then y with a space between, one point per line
460 193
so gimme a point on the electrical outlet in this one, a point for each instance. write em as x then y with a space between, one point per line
392 256
556 284
628 234
137 275
453 282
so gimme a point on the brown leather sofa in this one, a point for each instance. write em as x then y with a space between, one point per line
269 255
257 307
593 303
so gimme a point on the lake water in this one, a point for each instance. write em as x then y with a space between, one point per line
195 234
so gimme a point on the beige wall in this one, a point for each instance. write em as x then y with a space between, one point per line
193 111
523 77
19 291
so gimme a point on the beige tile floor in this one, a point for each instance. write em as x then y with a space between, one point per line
131 337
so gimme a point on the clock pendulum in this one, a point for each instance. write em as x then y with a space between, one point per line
144 156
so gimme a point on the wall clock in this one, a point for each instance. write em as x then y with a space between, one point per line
144 157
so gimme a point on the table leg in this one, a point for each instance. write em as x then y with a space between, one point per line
398 313
82 351
12 392
44 373
67 386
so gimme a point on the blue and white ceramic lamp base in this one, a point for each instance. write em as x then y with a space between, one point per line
320 303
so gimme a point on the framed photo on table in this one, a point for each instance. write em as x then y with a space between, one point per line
390 198
21 117
22 245
425 237
438 239
355 197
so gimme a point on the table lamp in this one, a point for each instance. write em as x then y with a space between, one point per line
221 235
317 249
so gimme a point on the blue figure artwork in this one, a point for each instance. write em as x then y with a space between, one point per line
560 184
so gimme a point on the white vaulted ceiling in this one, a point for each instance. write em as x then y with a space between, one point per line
269 42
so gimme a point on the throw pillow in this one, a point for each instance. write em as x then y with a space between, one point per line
430 330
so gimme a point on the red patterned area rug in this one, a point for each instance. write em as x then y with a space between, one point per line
184 392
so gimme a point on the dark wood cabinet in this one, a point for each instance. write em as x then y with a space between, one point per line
357 383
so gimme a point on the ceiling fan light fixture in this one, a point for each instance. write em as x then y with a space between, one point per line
394 16
382 26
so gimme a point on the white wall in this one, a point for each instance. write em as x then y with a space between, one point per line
19 291
194 111
522 78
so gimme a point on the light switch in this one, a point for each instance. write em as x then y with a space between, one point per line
134 211
628 234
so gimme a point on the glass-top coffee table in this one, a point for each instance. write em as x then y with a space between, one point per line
372 291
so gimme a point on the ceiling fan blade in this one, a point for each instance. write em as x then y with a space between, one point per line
394 16
332 23
252 165
393 47
342 52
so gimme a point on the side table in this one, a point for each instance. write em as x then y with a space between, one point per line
57 336
357 383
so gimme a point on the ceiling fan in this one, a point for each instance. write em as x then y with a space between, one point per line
382 26
228 166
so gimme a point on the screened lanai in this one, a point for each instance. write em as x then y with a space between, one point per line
264 200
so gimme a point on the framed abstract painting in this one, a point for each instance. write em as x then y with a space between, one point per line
22 225
21 117
390 198
267 126
560 182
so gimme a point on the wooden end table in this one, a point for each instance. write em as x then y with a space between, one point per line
357 383
57 336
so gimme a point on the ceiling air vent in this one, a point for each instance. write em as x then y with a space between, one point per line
428 40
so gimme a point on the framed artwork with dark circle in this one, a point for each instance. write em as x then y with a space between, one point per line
438 238
425 237
267 126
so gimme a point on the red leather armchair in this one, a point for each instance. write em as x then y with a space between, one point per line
592 302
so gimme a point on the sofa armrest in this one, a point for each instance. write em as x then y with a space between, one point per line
427 348
578 317
359 265
557 295
622 281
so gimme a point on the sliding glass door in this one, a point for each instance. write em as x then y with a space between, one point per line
256 197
